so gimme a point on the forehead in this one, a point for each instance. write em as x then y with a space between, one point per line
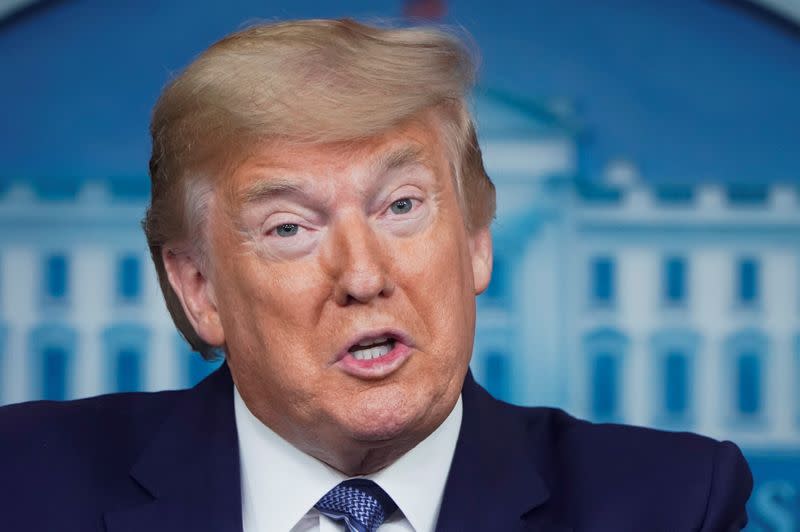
417 141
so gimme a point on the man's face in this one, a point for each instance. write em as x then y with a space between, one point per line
343 282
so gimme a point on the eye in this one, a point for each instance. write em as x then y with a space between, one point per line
402 206
286 230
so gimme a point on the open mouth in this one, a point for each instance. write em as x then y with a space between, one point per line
376 354
371 348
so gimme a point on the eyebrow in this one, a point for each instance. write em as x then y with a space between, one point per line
277 186
271 188
403 156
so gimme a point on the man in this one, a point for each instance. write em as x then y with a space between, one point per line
320 214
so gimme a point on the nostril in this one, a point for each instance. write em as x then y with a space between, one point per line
352 289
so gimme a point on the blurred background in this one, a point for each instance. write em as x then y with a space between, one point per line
647 159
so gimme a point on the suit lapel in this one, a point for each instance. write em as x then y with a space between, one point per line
494 482
190 469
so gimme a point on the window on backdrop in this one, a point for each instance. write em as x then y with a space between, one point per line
52 351
747 282
674 281
129 282
125 346
747 359
55 280
128 370
54 365
676 383
605 358
674 355
602 285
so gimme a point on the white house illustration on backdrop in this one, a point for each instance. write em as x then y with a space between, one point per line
668 304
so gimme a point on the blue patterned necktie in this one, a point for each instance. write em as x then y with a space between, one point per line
359 502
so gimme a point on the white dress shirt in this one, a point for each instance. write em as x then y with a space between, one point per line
281 484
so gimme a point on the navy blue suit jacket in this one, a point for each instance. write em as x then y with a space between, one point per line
169 462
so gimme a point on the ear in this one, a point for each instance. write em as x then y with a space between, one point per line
480 248
196 293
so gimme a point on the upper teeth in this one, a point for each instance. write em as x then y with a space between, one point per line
372 341
372 352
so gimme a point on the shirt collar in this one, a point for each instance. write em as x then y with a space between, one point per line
416 480
280 483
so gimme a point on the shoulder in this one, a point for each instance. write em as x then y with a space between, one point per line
116 416
73 458
659 471
65 440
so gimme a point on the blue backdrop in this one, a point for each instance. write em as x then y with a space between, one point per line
647 162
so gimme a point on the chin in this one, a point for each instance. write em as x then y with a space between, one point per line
406 421
379 434
382 421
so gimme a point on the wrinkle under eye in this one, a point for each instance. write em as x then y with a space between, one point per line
286 230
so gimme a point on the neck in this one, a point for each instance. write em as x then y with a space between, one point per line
357 458
352 454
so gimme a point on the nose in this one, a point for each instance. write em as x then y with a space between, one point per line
356 262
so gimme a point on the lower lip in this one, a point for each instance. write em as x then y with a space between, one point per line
375 368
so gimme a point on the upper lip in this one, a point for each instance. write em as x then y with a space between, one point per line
373 334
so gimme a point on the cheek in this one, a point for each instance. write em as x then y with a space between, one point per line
268 319
435 254
436 275
282 292
268 311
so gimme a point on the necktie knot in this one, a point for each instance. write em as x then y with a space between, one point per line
359 502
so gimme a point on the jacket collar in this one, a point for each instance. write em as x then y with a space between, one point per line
190 469
494 481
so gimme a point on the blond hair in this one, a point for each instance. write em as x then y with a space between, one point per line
309 81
